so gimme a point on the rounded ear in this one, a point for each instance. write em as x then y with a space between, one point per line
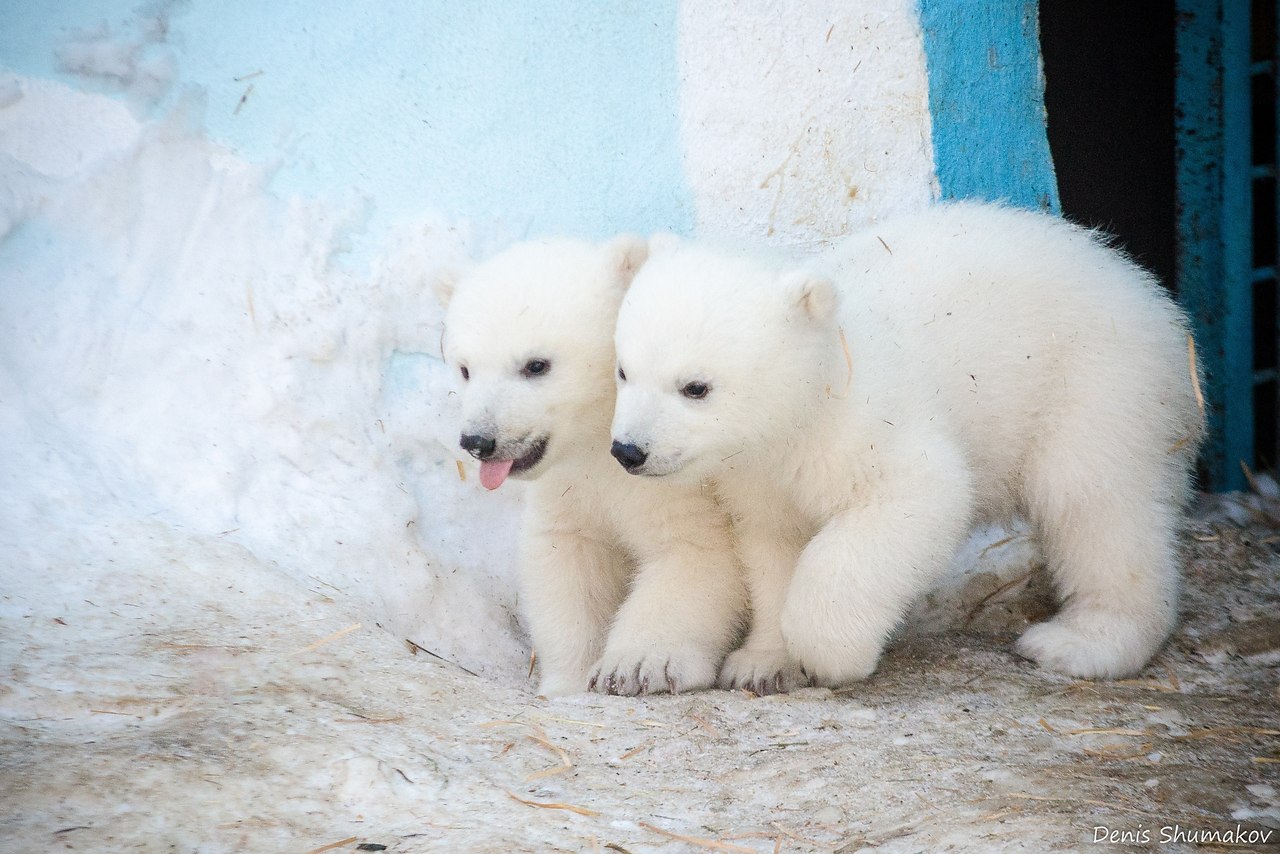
663 241
444 281
812 293
625 254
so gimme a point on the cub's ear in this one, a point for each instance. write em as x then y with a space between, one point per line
812 293
443 283
625 254
663 241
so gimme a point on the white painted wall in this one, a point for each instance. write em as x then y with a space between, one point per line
802 120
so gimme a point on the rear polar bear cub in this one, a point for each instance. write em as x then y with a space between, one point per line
965 362
628 586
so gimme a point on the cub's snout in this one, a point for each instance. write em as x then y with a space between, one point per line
480 447
631 457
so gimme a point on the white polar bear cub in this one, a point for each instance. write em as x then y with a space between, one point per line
858 416
628 586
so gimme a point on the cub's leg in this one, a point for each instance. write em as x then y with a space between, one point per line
571 585
860 573
1108 528
762 664
686 606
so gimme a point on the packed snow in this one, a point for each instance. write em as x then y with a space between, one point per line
182 343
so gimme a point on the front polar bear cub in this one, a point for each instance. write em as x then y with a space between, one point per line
966 362
628 586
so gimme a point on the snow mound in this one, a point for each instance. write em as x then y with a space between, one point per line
178 343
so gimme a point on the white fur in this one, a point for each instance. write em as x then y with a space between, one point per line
628 586
999 361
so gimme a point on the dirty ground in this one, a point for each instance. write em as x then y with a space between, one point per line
189 711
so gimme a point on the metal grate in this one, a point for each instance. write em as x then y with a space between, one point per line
1227 199
1262 174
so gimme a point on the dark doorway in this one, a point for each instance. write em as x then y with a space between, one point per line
1109 95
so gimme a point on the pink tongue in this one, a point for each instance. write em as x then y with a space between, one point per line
494 472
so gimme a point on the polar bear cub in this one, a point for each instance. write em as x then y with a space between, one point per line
963 363
628 586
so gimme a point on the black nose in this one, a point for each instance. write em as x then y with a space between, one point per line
630 456
480 447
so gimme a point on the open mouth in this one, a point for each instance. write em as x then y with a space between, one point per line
494 472
530 459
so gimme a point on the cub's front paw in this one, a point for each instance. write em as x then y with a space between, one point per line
628 672
834 653
762 670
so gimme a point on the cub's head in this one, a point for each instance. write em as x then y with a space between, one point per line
530 333
717 352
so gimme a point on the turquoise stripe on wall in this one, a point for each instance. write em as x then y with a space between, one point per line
986 97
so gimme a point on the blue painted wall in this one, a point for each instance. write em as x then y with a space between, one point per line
986 95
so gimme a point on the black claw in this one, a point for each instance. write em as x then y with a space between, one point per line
591 686
644 685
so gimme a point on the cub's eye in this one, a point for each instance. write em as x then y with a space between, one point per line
622 375
535 368
695 390
466 375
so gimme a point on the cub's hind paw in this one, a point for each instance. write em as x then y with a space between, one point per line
1092 644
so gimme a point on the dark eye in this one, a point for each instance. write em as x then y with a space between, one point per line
695 390
466 375
535 368
622 375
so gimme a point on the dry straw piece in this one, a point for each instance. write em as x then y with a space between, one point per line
1109 731
550 805
327 639
848 362
712 844
702 722
634 751
1195 374
1226 732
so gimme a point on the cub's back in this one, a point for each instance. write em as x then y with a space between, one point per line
1005 322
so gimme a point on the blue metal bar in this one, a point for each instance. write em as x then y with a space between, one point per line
1214 221
1274 452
